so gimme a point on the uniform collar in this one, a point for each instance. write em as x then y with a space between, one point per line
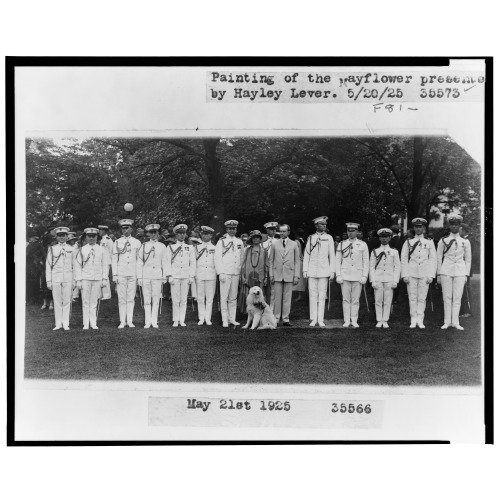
385 247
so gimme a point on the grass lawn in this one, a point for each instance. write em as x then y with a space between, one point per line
332 355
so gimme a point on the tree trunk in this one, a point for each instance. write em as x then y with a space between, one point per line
416 208
215 184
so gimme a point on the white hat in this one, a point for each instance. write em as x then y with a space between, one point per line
91 230
352 225
180 228
153 227
125 222
103 227
207 229
320 220
455 218
271 225
61 230
384 232
418 221
231 223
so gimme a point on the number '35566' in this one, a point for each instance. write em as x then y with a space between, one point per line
351 408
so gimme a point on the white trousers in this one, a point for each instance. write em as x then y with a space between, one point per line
383 301
351 291
91 290
206 293
417 295
179 288
61 293
282 300
125 290
151 291
453 288
317 297
106 290
228 297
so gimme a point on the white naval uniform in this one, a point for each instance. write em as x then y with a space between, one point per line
152 270
419 268
353 263
107 244
124 262
59 273
181 266
91 268
454 266
319 264
229 253
206 279
385 270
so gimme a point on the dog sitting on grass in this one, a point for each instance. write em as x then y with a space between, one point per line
259 313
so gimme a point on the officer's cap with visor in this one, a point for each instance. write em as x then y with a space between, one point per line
152 227
125 223
207 230
384 232
352 225
61 231
91 230
455 219
419 221
231 223
271 225
180 228
320 220
103 227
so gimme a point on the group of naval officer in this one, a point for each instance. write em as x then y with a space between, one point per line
152 264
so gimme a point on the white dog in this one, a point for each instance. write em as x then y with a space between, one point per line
259 313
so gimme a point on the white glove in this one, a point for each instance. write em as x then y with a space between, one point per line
171 280
406 280
340 280
222 278
332 276
190 281
165 280
429 281
305 274
272 280
362 281
115 279
439 279
79 285
104 283
394 284
49 285
140 281
375 284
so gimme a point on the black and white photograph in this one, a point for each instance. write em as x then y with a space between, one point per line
232 255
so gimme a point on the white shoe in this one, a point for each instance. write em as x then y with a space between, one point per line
176 324
458 327
421 325
57 328
182 324
51 308
85 328
45 306
385 324
224 324
379 324
155 326
413 325
121 325
131 325
95 327
445 326
66 327
208 322
235 323
355 325
147 326
201 322
320 323
312 323
346 324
